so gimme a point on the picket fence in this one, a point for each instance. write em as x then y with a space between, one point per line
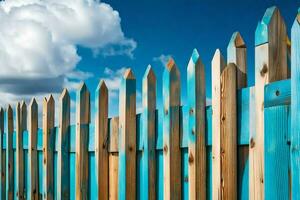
246 145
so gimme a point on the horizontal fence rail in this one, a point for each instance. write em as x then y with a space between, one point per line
245 145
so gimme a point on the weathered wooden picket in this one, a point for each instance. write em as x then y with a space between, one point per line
246 145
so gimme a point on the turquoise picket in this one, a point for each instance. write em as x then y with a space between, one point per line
127 137
295 108
148 185
2 155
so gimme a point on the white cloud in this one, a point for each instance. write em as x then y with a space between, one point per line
39 40
163 59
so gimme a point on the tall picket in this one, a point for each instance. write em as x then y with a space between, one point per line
149 159
295 108
63 164
101 140
127 137
48 147
229 132
2 155
21 126
171 131
33 186
9 129
270 66
82 133
218 65
196 144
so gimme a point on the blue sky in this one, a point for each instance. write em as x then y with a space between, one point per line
100 39
176 27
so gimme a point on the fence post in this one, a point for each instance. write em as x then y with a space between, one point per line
270 66
295 108
171 132
101 140
149 107
32 151
196 144
218 65
9 153
229 132
127 137
2 156
21 119
48 146
82 133
63 164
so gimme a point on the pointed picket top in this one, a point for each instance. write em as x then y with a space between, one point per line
129 74
171 65
1 111
83 88
101 86
65 95
236 41
33 103
23 105
195 56
261 32
149 74
50 100
218 60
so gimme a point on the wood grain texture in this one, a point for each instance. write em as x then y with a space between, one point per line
21 126
218 64
229 132
101 140
9 154
113 176
149 160
270 66
113 144
127 137
276 153
63 164
82 133
171 132
196 127
237 54
295 108
48 148
33 186
2 155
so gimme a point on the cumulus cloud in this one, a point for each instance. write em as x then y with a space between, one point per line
163 59
39 40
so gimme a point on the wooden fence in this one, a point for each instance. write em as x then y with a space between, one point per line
246 145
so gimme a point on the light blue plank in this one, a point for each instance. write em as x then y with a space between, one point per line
72 175
185 174
278 93
276 151
261 33
295 108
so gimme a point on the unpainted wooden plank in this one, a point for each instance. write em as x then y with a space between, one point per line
82 133
48 148
218 64
196 127
295 108
113 176
113 145
9 154
21 126
101 140
33 186
2 155
63 163
127 137
171 131
229 132
237 54
148 117
270 66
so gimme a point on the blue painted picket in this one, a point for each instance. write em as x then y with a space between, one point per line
154 149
